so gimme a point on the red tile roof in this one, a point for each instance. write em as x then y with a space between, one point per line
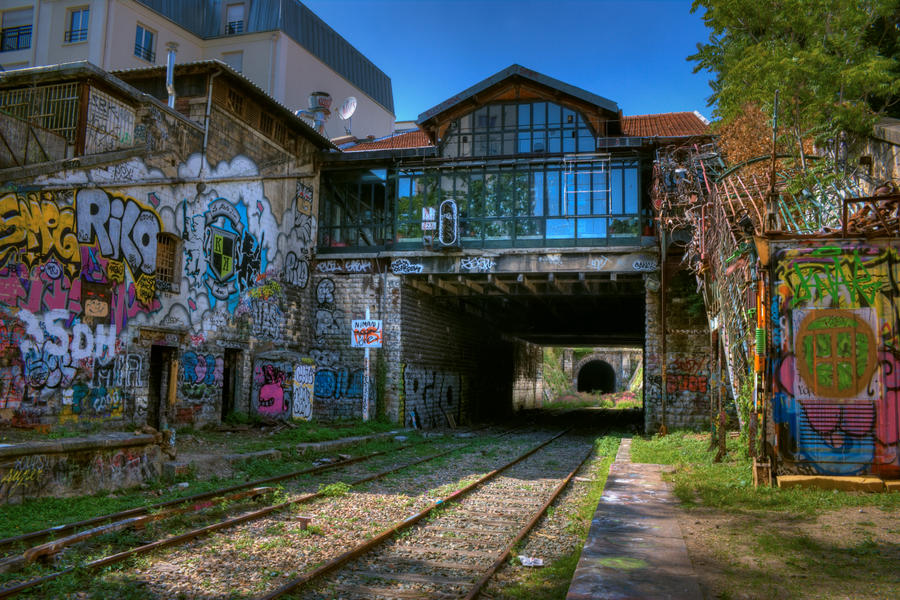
410 139
664 125
659 125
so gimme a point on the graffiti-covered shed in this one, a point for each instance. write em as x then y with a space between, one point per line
149 255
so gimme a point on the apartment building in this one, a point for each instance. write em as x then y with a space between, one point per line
280 45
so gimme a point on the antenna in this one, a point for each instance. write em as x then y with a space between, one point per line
346 110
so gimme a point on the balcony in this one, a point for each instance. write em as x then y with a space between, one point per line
234 27
76 35
146 53
15 38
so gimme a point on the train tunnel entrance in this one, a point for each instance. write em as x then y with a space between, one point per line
597 376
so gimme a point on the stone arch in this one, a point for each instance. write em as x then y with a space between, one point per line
595 375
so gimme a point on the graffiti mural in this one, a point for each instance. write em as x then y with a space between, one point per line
836 397
234 256
304 378
430 396
273 387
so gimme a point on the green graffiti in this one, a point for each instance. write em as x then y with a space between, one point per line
820 279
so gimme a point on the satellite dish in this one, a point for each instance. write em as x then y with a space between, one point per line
348 107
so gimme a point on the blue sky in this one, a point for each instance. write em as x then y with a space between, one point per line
632 52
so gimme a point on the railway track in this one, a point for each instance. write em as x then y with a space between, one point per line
468 512
139 517
451 548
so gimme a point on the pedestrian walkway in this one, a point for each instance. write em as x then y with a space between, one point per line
635 548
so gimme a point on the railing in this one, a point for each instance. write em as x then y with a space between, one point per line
76 35
146 53
52 107
15 38
234 27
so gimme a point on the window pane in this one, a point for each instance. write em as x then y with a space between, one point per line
509 116
591 228
481 119
554 116
553 190
509 142
540 114
586 141
494 116
631 190
524 142
537 193
555 143
476 195
540 141
560 228
615 191
568 140
465 123
524 115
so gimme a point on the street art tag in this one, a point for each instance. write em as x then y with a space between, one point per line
366 333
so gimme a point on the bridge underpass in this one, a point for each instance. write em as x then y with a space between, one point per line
530 310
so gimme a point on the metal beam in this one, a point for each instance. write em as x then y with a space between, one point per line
475 287
492 279
523 281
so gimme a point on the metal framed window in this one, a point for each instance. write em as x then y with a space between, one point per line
15 29
234 19
78 25
144 40
168 262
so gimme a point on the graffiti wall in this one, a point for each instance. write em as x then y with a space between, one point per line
75 269
82 471
283 386
836 340
431 397
79 278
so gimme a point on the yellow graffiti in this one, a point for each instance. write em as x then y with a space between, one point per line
115 270
266 291
145 288
35 228
16 477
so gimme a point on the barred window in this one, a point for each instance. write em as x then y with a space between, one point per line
168 263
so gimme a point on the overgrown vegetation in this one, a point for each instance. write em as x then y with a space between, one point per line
728 485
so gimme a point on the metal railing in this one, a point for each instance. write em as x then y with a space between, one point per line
234 27
76 35
52 107
146 53
15 38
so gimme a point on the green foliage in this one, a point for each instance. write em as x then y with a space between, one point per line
835 63
554 376
698 481
338 488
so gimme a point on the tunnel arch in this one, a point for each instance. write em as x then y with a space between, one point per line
596 375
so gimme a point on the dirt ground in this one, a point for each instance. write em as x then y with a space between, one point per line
838 554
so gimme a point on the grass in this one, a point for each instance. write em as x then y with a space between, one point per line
552 581
287 438
728 485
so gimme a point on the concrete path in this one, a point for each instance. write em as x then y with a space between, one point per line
635 548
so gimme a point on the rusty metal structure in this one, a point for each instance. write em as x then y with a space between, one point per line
725 217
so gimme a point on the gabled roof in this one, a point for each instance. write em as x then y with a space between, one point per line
526 74
674 124
518 83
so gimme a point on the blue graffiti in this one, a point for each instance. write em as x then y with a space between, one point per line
234 256
208 371
841 454
338 384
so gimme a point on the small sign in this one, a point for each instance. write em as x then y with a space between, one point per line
429 218
367 333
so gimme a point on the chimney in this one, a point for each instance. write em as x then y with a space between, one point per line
172 47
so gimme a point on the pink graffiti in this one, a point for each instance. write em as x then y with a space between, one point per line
271 394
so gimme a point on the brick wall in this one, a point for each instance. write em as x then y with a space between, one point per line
687 355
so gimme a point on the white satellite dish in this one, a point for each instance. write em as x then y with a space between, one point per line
348 107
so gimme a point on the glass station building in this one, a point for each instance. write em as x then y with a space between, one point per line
520 160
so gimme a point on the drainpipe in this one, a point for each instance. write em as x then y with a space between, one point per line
172 47
206 120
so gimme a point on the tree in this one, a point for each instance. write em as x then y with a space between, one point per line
835 62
